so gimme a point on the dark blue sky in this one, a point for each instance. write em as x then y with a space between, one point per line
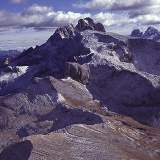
64 5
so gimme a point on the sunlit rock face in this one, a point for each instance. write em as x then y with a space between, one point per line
84 93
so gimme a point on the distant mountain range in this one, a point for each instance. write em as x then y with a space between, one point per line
150 33
12 53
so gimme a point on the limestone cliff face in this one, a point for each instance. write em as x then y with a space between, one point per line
77 72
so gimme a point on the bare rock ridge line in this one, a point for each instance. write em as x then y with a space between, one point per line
84 94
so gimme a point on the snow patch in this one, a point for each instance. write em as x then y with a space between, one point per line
22 69
60 98
55 97
6 78
86 21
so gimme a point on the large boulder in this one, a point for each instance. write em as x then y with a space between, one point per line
77 72
17 151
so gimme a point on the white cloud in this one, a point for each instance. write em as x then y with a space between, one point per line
123 14
107 5
36 9
42 17
39 16
18 1
123 19
148 19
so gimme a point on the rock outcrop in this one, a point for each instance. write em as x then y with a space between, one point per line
77 72
150 33
62 33
17 151
136 33
88 24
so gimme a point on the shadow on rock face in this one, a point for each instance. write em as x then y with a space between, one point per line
18 151
64 117
22 133
126 92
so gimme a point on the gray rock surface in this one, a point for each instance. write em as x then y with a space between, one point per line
77 72
62 120
150 33
88 24
136 33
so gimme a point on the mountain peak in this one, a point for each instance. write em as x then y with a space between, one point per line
151 31
70 31
89 24
136 33
66 31
63 32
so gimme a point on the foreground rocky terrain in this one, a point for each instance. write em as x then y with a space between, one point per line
84 94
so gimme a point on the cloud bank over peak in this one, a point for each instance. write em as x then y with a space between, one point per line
39 16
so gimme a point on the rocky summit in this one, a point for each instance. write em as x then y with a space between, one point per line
84 94
150 33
